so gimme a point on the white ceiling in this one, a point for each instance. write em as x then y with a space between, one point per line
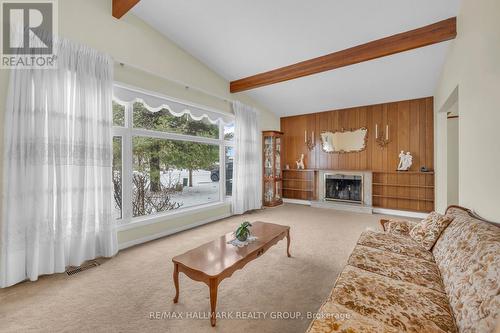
239 38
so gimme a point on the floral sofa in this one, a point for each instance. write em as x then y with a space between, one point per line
392 284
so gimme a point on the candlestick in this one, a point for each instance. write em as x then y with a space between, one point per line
310 143
383 139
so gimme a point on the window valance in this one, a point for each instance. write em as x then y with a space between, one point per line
155 103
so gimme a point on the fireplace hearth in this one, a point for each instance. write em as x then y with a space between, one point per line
345 188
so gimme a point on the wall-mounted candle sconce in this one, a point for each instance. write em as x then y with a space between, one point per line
382 138
310 142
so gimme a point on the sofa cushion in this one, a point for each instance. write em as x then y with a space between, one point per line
429 229
404 306
393 265
333 317
394 243
468 256
399 227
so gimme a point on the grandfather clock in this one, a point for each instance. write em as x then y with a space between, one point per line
272 180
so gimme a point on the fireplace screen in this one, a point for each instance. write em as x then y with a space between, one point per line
344 188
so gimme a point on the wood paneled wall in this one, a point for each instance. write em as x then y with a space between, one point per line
411 128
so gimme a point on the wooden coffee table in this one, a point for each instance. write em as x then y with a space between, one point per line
214 261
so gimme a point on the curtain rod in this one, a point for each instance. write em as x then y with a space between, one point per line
185 85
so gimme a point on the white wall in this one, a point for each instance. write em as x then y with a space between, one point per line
133 42
473 64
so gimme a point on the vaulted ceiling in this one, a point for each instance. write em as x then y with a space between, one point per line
240 38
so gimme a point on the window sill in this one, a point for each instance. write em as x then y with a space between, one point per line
147 220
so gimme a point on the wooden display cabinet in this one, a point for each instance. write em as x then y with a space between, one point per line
272 179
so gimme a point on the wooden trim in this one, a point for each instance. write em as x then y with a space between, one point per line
472 214
409 40
383 222
121 7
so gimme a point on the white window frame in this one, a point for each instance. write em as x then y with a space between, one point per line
127 132
227 143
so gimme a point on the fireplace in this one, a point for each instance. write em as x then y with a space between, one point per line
346 188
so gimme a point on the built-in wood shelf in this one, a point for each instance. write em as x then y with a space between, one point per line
400 197
402 185
299 184
404 190
406 172
297 189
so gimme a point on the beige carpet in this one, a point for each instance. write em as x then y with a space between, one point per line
119 295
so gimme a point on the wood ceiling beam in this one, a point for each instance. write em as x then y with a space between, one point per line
430 34
121 7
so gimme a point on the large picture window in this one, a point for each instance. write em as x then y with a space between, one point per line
168 156
117 176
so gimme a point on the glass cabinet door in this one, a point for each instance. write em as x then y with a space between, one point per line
277 154
268 192
278 190
272 173
268 157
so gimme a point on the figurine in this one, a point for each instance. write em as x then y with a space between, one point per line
405 161
300 163
408 160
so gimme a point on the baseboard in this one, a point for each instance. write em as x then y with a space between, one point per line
403 213
297 201
170 232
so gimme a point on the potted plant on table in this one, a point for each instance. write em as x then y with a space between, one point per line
243 231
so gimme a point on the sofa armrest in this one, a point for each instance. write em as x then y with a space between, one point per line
383 223
398 227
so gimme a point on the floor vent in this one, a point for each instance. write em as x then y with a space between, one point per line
87 265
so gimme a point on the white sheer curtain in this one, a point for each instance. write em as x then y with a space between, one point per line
247 172
57 208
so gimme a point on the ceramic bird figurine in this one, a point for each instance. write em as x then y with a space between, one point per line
300 163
